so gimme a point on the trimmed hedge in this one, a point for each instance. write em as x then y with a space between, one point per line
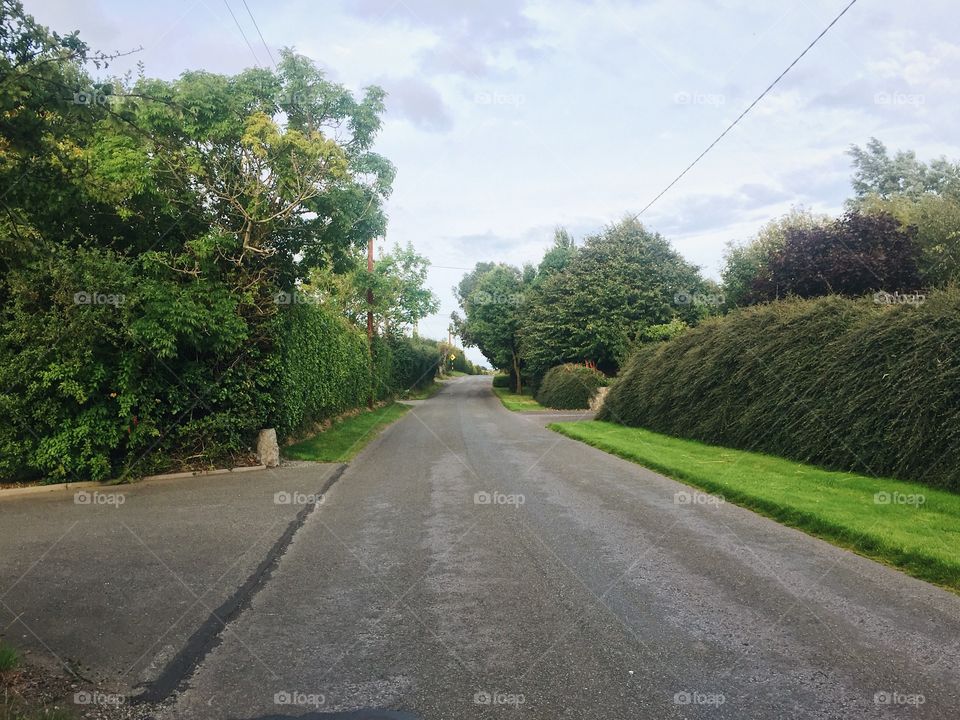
844 384
415 363
570 387
502 381
325 366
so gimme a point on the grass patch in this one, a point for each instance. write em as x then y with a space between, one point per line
918 531
512 401
345 438
9 658
423 393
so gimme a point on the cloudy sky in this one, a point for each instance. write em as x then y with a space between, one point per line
508 118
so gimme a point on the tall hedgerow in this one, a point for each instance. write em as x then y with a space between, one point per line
842 383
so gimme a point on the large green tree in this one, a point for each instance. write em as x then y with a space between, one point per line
923 196
187 204
401 297
620 282
493 298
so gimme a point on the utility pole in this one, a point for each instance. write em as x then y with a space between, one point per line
370 318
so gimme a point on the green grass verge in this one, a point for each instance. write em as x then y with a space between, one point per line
512 401
917 530
9 658
345 438
423 393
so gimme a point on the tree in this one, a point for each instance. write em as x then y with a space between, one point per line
877 173
492 298
621 281
398 283
748 265
189 202
936 221
558 257
919 195
854 255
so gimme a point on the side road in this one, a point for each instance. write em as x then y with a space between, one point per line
118 583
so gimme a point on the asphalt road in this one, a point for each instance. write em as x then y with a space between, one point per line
470 563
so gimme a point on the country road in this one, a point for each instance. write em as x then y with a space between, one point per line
470 563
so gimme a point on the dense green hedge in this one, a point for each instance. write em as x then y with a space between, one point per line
112 366
415 363
502 381
570 387
325 366
846 384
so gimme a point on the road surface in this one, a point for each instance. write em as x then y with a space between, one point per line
470 563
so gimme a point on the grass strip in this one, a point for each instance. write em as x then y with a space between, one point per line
907 525
345 438
512 401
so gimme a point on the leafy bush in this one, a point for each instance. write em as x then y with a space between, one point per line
110 365
415 363
570 387
502 381
845 384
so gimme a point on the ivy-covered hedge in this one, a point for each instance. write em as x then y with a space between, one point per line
570 387
112 366
846 384
324 367
415 362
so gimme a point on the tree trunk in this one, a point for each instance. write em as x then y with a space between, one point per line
516 372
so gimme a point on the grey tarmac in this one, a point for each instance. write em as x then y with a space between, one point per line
470 563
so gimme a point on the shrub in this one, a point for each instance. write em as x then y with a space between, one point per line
415 363
154 370
502 381
570 387
845 384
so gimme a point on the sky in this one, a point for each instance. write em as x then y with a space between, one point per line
508 119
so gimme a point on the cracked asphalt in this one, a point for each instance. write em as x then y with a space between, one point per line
469 563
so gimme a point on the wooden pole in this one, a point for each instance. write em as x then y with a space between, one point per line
370 319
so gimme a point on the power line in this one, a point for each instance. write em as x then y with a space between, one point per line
749 108
255 58
265 46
